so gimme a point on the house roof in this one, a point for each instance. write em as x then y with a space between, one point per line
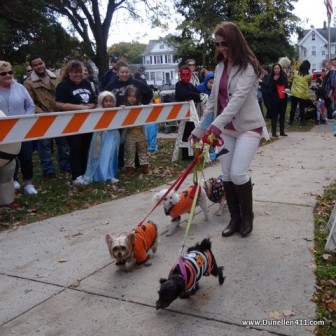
152 43
323 32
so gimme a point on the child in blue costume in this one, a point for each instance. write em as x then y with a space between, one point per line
103 156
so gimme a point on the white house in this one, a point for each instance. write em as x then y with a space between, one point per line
159 64
314 46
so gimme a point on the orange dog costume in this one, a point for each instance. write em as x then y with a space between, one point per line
144 238
184 204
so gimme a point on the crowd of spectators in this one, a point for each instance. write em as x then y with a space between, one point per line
77 88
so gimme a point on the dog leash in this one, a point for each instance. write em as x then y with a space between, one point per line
177 183
207 140
190 218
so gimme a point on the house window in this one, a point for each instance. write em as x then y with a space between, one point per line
313 51
158 59
323 52
161 46
152 76
168 59
313 36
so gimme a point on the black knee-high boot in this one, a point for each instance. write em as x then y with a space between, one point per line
244 193
234 209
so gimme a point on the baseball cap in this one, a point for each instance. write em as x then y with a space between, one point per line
115 58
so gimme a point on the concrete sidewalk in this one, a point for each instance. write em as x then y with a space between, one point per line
57 278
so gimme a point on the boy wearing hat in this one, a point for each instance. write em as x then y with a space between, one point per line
110 75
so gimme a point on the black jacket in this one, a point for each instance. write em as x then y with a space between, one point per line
186 92
118 87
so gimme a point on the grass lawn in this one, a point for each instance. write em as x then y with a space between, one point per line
58 196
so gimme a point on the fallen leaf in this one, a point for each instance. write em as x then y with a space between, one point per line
62 260
288 313
311 266
314 298
76 283
307 239
275 315
331 305
327 256
41 275
330 283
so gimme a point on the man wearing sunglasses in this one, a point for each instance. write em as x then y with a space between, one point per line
41 86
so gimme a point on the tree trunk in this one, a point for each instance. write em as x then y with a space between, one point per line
102 58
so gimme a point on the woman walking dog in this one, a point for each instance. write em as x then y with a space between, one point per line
233 113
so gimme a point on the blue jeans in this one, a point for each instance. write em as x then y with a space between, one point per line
45 154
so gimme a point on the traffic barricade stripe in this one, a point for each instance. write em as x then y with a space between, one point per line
75 123
132 116
55 124
40 127
154 114
105 119
174 112
6 127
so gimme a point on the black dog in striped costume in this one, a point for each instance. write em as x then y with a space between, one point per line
184 276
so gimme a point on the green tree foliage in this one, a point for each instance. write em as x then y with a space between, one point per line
27 27
92 20
267 26
130 51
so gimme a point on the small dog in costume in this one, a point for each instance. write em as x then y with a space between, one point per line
214 188
176 204
184 276
132 248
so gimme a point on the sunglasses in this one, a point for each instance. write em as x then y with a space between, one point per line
5 73
223 44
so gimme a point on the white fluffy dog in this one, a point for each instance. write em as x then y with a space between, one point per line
175 204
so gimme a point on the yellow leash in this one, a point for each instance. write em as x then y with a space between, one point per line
203 149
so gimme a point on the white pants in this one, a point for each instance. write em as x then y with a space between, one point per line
241 147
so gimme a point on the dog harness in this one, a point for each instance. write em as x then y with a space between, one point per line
145 236
193 266
217 189
183 205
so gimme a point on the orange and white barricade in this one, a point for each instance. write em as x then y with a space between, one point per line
51 125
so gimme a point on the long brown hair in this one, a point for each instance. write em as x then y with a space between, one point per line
240 52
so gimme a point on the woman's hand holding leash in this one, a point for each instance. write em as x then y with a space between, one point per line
212 137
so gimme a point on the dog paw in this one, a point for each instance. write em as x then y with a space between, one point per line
147 264
218 213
